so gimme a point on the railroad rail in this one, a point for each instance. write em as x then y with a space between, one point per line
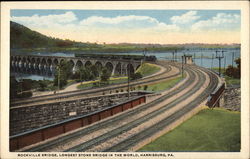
136 138
80 93
85 146
118 131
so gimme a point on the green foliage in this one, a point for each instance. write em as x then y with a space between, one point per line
42 85
161 85
87 73
232 81
64 72
20 89
209 130
105 75
135 76
23 37
234 71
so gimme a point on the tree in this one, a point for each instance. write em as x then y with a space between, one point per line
64 72
20 89
234 71
42 85
94 71
105 75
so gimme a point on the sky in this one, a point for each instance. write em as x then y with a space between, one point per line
135 26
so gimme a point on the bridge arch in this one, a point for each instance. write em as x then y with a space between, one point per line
72 65
109 67
88 63
55 62
130 69
43 67
98 64
50 67
118 69
79 64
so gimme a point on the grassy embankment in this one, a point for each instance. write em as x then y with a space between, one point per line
91 84
209 130
162 85
146 69
229 80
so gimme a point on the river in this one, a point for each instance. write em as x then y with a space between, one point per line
203 57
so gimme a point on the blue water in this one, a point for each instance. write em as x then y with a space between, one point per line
20 76
229 56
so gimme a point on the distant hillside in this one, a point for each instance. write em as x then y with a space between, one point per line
23 37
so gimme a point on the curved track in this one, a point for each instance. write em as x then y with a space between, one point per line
127 144
168 73
116 126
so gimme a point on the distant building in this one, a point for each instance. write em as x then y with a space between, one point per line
187 59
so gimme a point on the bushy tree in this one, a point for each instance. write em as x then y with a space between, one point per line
105 75
64 71
20 89
87 73
234 71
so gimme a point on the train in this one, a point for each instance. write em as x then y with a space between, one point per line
118 57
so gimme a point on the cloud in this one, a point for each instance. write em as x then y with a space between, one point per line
127 22
221 21
47 21
188 17
133 28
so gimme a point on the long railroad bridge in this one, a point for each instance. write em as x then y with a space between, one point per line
46 65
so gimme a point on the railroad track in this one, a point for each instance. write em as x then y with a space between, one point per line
125 128
80 93
126 115
128 143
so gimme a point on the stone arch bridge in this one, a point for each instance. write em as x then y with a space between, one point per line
46 65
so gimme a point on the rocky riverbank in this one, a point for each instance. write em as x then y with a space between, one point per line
232 98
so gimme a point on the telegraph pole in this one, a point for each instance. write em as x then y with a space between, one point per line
194 58
182 59
173 56
212 61
219 56
225 60
233 59
175 51
58 78
201 59
129 79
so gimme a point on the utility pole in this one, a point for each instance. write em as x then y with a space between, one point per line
81 76
219 56
201 59
183 58
212 61
233 59
173 56
129 79
194 58
58 78
225 60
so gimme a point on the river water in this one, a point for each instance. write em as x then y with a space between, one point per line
202 57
